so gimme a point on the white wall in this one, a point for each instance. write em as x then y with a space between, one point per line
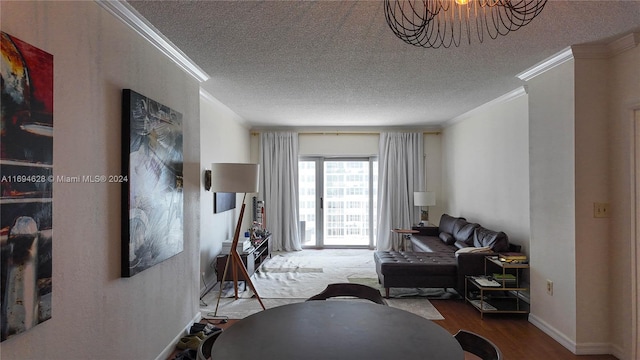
581 116
485 169
223 138
552 180
593 241
96 313
623 98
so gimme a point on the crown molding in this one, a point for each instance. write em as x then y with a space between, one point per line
551 62
608 50
522 90
591 51
128 15
206 96
586 51
624 43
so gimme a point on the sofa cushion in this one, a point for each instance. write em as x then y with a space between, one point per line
465 233
421 243
460 244
446 223
495 240
447 238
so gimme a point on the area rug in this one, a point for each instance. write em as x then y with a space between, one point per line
241 308
290 277
302 274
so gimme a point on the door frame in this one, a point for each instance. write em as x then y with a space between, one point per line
320 160
635 231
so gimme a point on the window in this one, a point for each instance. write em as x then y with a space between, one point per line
337 201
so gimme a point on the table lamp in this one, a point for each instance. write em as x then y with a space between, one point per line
424 198
235 178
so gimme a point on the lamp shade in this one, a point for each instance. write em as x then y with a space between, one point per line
235 177
424 198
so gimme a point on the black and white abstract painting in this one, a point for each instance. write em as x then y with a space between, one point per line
152 229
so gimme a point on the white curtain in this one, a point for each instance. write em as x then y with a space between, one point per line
279 188
400 173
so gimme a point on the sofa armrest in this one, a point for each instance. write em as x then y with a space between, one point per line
471 263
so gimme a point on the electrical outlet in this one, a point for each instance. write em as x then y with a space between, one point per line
550 287
600 210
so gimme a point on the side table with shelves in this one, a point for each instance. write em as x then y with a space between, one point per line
252 259
497 295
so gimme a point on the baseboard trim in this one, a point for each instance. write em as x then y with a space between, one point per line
553 332
593 349
172 345
619 352
575 348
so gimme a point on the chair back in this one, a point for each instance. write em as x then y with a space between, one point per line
350 289
478 345
204 349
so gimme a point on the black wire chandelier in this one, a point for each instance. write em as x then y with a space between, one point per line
441 23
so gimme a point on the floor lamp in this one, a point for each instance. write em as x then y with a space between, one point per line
235 178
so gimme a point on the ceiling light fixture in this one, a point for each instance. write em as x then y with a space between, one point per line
441 23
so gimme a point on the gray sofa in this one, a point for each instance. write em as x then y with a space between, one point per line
433 261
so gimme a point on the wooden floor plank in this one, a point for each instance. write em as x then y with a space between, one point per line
516 337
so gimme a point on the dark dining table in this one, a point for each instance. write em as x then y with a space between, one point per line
334 330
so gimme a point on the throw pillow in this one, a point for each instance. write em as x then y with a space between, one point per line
446 223
472 249
447 238
497 241
465 233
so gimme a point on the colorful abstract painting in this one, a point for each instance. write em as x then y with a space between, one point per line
26 170
152 196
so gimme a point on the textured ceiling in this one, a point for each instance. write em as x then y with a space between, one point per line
337 63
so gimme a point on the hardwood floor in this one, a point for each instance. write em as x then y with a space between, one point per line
516 337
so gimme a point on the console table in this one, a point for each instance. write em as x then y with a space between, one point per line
252 259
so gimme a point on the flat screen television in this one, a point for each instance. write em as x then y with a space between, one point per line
223 201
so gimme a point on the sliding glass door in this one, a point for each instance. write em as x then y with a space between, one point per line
337 201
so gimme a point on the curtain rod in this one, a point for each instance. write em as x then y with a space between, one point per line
254 133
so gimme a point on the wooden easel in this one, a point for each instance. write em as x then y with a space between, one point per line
236 264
